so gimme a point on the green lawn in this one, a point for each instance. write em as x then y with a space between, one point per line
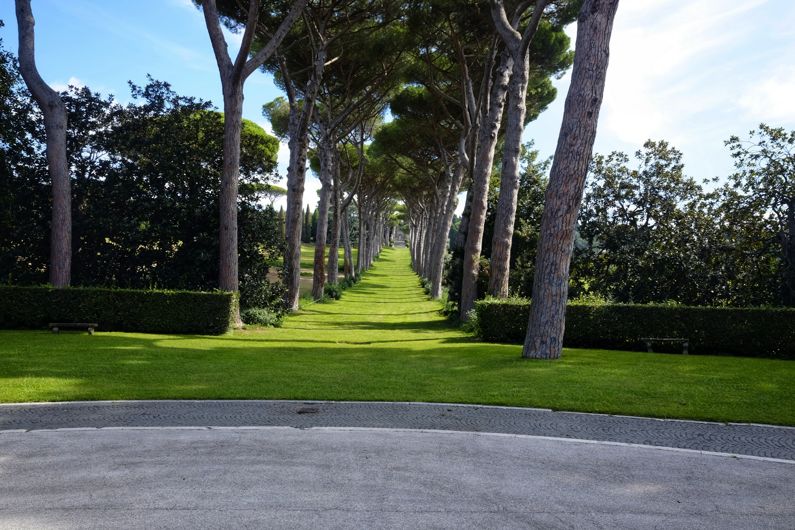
385 341
308 265
308 257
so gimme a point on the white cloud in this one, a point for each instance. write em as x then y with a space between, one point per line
72 81
671 62
771 99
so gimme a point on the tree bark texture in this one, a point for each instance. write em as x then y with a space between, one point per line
336 228
346 245
509 180
488 133
546 326
296 176
228 238
326 152
54 112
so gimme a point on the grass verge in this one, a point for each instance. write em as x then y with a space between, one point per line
386 341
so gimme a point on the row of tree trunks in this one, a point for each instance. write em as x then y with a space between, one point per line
327 153
505 215
336 228
488 132
298 143
517 45
233 76
446 217
347 252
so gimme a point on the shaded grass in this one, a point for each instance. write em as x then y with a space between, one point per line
386 341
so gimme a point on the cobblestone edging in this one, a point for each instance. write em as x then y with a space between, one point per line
742 439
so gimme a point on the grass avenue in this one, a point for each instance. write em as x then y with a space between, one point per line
386 341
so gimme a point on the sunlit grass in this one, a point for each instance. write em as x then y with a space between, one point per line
386 341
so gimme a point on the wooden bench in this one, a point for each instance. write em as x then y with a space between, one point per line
55 327
667 340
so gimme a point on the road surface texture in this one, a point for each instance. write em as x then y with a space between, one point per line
376 465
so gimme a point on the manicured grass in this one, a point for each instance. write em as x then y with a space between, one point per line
308 257
385 341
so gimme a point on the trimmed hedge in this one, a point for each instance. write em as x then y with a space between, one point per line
751 332
117 309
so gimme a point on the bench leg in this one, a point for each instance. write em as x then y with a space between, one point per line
55 330
685 348
648 347
90 331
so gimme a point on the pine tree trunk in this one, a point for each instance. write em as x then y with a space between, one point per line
567 179
233 122
509 180
296 176
326 151
54 112
319 274
346 245
481 175
445 222
362 241
336 227
463 228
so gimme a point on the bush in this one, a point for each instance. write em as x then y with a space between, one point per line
349 282
753 332
332 291
261 316
262 293
117 309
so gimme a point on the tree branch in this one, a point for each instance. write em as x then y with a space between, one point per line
212 20
248 38
509 35
532 27
276 40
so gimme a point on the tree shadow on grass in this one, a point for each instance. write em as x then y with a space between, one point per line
114 366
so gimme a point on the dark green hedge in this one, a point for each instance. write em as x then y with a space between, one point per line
117 309
752 332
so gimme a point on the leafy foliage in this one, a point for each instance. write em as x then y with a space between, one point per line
648 233
753 332
145 191
261 316
117 309
759 211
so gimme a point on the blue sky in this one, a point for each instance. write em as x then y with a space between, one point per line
691 72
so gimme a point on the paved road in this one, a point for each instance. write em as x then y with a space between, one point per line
740 439
272 477
222 464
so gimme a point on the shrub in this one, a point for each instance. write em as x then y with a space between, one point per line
349 282
332 291
261 316
117 309
753 332
262 293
